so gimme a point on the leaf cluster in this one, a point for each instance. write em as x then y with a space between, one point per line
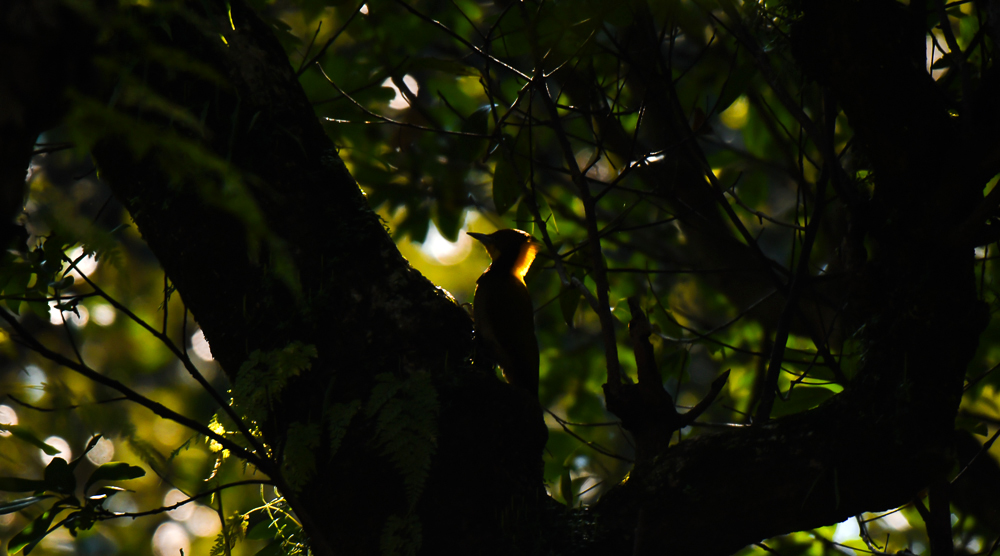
60 482
264 375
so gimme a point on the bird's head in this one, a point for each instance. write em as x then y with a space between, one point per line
510 249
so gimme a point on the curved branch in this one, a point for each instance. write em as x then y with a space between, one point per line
157 408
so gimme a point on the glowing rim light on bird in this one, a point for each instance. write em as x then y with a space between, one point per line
525 259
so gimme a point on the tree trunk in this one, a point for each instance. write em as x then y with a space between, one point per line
278 246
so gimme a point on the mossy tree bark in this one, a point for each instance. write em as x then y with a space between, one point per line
327 274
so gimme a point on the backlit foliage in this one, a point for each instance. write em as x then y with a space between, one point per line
681 145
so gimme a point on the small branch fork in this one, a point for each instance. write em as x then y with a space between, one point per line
32 343
180 354
188 500
256 455
646 408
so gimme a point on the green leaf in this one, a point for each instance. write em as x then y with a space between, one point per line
506 185
478 121
566 488
401 536
22 433
453 67
273 548
405 413
545 211
523 219
945 61
971 424
90 446
470 149
415 224
622 312
449 220
30 535
39 308
801 399
21 503
339 417
298 464
53 250
16 484
59 477
62 284
16 287
106 492
737 82
664 324
114 471
264 375
675 364
260 531
569 300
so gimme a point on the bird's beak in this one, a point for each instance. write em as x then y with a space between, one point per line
481 237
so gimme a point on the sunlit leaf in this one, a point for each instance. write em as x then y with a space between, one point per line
30 535
272 548
90 446
20 504
506 185
114 471
22 433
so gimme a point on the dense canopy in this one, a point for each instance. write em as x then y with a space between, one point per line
235 317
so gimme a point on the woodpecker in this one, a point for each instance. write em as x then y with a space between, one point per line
502 311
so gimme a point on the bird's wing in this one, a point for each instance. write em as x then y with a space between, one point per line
505 320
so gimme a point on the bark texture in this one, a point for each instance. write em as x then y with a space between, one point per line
368 312
350 294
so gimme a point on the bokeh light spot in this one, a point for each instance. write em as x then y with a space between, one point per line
33 384
7 417
171 539
399 101
102 452
735 117
182 513
445 252
104 314
200 347
86 265
58 443
204 522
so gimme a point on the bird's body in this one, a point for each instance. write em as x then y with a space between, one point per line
504 318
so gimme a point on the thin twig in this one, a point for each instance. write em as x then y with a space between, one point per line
183 357
596 447
387 120
157 408
986 448
599 272
322 51
164 509
309 46
23 403
464 42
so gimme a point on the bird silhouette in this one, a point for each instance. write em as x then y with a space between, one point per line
502 311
